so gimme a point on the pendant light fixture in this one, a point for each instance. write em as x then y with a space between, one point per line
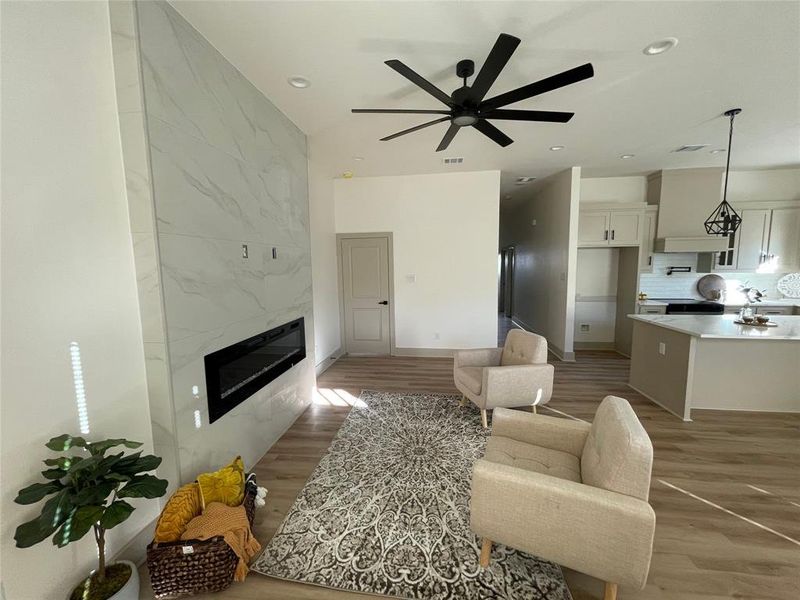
724 220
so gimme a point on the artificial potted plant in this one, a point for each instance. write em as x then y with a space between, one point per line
87 492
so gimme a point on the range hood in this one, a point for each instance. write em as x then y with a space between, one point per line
685 198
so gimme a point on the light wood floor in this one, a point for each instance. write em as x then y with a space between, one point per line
745 463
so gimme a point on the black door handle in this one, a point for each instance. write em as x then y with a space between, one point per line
384 302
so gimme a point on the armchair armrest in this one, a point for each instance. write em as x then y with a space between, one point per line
518 385
479 357
539 430
594 531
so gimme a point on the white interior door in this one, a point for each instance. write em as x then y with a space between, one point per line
365 287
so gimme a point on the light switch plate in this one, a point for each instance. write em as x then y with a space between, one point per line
411 278
584 327
662 348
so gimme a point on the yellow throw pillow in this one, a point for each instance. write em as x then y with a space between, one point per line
182 507
225 485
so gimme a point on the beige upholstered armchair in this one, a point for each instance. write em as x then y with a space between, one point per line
569 492
514 375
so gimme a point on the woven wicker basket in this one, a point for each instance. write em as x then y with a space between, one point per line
188 567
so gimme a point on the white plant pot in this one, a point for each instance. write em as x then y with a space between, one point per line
129 591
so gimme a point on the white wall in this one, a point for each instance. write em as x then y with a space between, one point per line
596 294
445 231
324 275
546 259
614 189
67 270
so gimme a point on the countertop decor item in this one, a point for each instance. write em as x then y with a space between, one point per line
711 286
789 285
753 323
87 491
724 220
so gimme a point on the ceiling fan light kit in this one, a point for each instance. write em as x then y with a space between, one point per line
466 106
724 220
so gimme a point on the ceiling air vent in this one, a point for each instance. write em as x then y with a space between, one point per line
456 160
691 148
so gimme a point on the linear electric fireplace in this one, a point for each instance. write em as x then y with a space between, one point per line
235 373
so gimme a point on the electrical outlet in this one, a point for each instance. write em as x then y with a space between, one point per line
584 327
244 251
662 348
436 335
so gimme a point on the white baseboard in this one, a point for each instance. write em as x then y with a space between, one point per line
654 401
425 352
328 361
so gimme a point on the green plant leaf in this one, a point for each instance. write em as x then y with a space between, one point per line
101 447
86 463
64 442
54 513
143 486
54 473
77 524
117 477
63 462
37 491
116 514
144 464
96 494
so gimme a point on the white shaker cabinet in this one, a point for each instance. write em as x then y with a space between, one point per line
610 227
784 239
769 236
753 238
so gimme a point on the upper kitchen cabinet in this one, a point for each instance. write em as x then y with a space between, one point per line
768 239
648 239
618 226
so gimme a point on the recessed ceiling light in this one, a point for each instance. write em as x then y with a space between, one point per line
358 158
660 46
556 148
298 82
718 150
626 156
521 180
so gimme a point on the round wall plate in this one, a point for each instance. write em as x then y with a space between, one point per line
711 287
789 285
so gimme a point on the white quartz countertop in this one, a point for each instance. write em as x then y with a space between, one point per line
723 326
755 305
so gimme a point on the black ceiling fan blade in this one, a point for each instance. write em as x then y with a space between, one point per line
528 115
496 61
493 133
400 111
448 137
413 129
420 81
540 87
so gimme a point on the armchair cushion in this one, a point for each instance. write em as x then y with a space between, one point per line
548 432
513 453
524 348
480 357
618 455
471 378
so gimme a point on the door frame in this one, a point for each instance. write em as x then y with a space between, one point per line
340 281
508 256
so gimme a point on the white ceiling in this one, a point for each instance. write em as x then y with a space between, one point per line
730 54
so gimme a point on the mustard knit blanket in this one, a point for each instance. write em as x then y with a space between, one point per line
231 523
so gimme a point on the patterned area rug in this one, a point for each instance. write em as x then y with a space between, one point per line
387 511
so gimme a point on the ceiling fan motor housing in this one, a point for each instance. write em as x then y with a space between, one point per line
465 68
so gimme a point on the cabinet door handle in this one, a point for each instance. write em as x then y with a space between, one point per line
605 235
649 261
612 234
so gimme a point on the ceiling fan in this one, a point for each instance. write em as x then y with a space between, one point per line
466 106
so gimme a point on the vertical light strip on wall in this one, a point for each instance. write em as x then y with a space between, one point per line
80 389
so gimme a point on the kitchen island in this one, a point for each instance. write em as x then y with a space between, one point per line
685 362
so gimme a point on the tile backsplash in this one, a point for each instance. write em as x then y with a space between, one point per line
684 285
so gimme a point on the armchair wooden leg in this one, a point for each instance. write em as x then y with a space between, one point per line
533 408
484 419
486 552
611 591
463 401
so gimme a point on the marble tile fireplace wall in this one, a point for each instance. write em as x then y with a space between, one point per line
211 167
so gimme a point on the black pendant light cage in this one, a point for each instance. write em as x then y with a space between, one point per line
724 220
